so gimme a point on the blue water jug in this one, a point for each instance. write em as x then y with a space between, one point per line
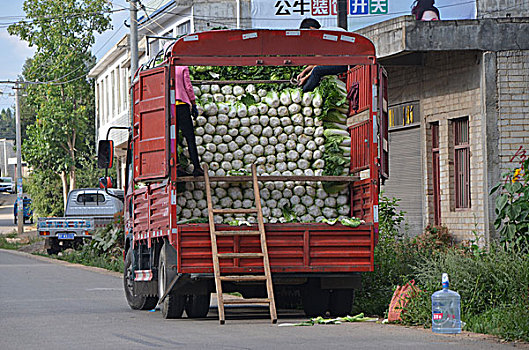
446 310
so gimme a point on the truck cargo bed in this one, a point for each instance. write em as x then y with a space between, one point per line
292 248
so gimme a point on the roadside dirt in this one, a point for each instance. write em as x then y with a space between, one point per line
30 239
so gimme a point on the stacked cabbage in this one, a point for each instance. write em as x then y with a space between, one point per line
282 132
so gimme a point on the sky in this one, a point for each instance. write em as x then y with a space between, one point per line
16 51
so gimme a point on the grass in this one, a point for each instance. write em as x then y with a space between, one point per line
5 244
493 284
91 257
493 281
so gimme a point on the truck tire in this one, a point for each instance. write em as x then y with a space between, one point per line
341 302
173 305
315 300
197 306
135 302
52 246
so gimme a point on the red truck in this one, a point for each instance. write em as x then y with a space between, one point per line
172 263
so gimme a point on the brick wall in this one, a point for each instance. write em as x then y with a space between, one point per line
513 106
448 87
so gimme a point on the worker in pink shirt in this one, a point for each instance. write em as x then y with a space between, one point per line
185 107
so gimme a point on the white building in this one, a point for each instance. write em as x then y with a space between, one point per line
112 84
161 19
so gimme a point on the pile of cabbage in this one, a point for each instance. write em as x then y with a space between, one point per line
285 132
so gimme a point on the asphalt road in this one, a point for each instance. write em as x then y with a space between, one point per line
53 305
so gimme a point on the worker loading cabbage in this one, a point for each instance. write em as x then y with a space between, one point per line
282 130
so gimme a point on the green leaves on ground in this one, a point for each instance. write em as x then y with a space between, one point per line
328 321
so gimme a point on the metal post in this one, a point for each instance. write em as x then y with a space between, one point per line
342 14
238 4
5 158
20 203
133 38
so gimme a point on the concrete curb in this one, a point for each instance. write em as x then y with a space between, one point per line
63 263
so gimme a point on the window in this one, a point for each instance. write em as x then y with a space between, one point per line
436 169
124 92
184 28
98 103
108 111
90 198
105 100
154 47
113 109
118 91
461 163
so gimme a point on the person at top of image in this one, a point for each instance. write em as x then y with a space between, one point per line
424 10
311 76
185 108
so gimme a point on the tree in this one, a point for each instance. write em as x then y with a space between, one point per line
62 136
7 124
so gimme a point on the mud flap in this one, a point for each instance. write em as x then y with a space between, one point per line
170 253
146 288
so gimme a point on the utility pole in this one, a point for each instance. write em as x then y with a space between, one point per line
133 38
5 158
342 14
20 201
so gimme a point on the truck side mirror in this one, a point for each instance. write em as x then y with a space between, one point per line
105 154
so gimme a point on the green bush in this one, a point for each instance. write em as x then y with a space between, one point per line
105 250
493 281
91 257
490 282
391 261
512 207
110 239
511 322
45 190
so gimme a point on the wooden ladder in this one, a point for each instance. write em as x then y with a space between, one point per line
266 277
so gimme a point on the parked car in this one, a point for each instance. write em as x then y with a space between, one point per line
7 185
28 211
86 210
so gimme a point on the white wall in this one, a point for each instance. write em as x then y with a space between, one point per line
112 104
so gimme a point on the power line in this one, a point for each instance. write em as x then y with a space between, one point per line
56 80
58 17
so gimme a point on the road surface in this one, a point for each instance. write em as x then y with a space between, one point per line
54 305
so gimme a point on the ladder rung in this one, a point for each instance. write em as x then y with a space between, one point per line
240 255
243 278
235 211
247 301
237 233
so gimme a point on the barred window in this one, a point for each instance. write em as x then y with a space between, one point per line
461 162
436 171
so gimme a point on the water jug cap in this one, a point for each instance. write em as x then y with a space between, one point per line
445 280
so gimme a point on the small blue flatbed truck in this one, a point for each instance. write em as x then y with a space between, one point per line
86 210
